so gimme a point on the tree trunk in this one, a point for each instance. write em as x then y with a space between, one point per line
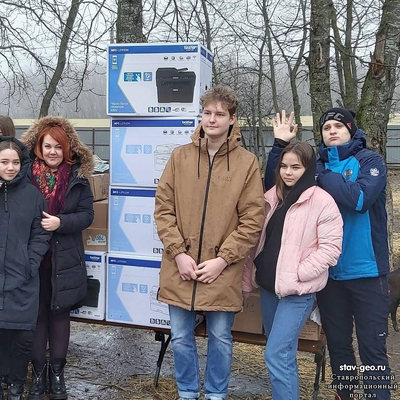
271 58
318 62
209 38
62 59
266 41
130 22
377 93
293 75
349 81
337 47
294 70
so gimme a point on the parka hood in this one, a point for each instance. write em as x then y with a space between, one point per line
356 143
232 141
26 161
234 137
81 151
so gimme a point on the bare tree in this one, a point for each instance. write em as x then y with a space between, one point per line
319 61
293 69
344 55
52 87
130 22
32 32
377 93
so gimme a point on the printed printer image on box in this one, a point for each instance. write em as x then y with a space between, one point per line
141 148
132 227
93 306
157 79
175 85
132 286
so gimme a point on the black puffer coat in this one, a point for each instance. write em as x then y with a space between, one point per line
69 279
23 243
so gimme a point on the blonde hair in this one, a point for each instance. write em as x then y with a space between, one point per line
223 94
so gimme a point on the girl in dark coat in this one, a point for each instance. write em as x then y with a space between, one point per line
23 243
61 166
7 128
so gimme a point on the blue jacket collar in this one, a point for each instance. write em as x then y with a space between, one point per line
347 150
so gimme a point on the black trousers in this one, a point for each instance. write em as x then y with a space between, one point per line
52 325
366 301
15 351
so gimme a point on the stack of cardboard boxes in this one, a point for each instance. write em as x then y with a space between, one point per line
153 98
95 241
95 238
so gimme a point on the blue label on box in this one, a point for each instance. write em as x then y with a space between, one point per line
150 123
133 192
151 49
132 76
133 262
117 102
92 258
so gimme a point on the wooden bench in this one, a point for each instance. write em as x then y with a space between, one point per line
316 347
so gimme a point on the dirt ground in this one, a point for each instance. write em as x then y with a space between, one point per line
119 363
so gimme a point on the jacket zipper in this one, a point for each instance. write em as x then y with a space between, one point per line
294 204
276 292
5 197
203 218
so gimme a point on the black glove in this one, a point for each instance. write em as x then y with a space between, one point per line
280 143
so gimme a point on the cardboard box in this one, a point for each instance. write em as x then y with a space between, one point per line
141 147
99 183
310 331
132 226
95 239
157 79
95 302
100 214
250 319
132 286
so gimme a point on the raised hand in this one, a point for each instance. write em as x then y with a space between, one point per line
283 128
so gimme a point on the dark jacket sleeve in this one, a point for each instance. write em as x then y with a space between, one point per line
361 194
272 163
39 238
83 216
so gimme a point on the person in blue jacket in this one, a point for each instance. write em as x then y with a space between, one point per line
357 287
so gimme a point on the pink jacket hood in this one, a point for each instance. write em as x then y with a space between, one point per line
311 243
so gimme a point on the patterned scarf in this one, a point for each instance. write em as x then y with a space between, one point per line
52 184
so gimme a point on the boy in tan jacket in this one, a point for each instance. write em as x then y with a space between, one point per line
209 213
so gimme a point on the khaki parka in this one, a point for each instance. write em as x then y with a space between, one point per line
208 209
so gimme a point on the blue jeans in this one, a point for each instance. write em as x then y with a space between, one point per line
219 353
283 319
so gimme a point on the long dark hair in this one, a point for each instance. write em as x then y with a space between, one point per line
304 152
7 127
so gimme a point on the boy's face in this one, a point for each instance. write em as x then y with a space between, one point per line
216 120
335 133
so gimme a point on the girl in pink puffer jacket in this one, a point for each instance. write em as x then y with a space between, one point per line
301 239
